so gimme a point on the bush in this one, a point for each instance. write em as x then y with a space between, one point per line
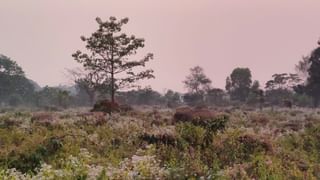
29 162
106 106
192 134
201 117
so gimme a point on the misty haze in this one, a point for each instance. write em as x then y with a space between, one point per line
208 89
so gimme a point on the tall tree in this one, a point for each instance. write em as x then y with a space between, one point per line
197 82
239 83
109 56
313 81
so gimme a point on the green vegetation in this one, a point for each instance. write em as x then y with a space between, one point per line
108 62
242 144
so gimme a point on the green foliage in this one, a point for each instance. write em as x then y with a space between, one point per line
172 99
192 134
141 96
217 124
197 81
313 82
193 99
15 88
147 96
108 59
302 100
14 100
51 96
29 162
10 67
225 147
278 96
216 96
256 95
197 84
239 83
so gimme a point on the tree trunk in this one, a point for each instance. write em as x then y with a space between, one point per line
112 88
112 78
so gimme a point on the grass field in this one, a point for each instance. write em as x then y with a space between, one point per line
150 143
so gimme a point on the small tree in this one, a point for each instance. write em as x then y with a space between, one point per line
108 56
197 84
239 83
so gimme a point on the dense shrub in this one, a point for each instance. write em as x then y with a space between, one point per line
194 135
29 162
201 117
106 106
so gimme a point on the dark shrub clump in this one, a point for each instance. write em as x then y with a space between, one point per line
106 106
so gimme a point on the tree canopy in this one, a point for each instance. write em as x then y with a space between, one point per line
313 81
108 59
9 67
197 81
197 84
15 88
239 83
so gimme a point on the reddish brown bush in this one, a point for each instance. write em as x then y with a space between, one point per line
125 108
203 115
92 118
106 106
195 116
183 114
45 119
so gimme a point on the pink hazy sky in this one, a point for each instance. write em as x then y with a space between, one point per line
268 36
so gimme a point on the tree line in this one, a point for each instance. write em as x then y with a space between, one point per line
110 66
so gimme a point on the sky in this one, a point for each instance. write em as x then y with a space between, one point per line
267 36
